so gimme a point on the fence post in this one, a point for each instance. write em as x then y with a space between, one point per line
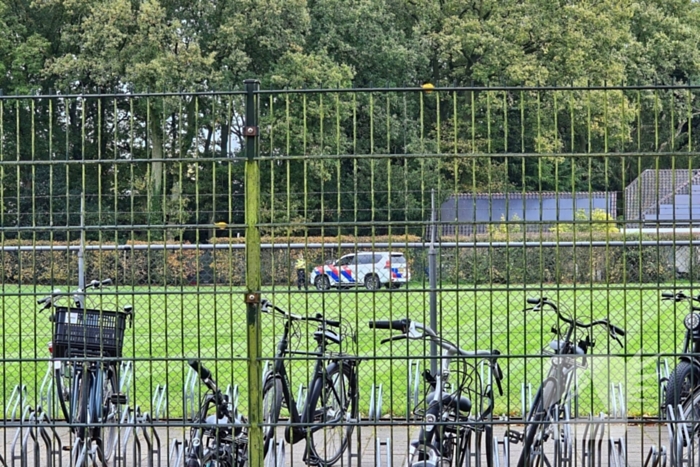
252 276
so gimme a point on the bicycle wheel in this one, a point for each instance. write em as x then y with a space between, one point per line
79 409
110 412
333 405
532 454
62 391
79 397
272 406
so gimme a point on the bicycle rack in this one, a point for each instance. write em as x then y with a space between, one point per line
525 398
46 395
663 372
413 386
678 436
232 393
378 453
22 436
592 442
563 439
275 454
301 397
617 447
18 395
617 401
126 374
52 442
159 400
618 453
134 421
375 403
189 397
177 450
656 458
266 370
505 443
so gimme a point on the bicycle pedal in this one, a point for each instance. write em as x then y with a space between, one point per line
118 399
514 437
67 447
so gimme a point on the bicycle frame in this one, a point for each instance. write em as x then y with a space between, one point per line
300 422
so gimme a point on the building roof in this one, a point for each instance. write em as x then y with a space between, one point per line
656 187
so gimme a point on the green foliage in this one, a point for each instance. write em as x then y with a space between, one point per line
86 46
600 221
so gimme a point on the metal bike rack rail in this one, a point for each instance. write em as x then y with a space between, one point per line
18 398
275 455
176 455
375 402
190 401
656 457
413 389
159 401
378 445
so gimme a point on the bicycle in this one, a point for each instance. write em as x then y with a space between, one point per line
331 407
225 436
685 377
554 392
86 348
446 437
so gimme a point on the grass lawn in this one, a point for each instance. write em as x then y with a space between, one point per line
174 324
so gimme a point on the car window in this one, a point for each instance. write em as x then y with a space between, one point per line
398 259
344 261
367 258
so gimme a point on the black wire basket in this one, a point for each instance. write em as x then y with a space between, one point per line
82 332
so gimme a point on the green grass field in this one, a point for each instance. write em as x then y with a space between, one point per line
174 324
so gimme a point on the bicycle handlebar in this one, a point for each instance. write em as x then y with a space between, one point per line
397 325
49 300
266 305
614 331
202 371
679 296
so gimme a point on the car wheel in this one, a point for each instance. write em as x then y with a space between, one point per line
322 283
395 285
372 282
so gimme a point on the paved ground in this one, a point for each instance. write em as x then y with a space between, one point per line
363 450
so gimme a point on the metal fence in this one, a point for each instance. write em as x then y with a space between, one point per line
447 206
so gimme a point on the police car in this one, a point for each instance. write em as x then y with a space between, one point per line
369 269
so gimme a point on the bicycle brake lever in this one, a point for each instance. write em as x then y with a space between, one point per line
393 338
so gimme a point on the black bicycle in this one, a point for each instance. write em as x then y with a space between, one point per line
328 415
86 349
685 377
218 437
451 426
548 406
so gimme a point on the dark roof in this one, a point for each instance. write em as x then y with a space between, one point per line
655 187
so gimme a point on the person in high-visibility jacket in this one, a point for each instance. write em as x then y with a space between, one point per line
301 272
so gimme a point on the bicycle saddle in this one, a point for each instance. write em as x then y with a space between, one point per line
451 400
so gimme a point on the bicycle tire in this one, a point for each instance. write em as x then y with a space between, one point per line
337 395
79 415
272 406
536 424
681 383
58 380
79 404
110 412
